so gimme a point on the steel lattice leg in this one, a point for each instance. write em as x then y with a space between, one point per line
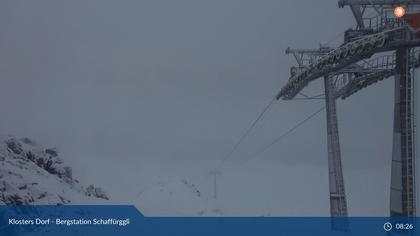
338 203
403 193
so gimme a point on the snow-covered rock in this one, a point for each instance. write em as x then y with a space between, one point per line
32 174
96 192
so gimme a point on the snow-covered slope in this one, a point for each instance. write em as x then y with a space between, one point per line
32 174
176 198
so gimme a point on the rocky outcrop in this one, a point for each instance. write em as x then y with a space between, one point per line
31 174
96 192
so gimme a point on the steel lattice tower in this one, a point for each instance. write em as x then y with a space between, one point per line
346 70
338 203
403 198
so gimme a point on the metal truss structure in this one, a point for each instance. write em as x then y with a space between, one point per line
350 68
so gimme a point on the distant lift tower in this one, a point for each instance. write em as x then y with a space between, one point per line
351 67
215 173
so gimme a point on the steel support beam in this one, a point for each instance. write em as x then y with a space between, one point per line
342 3
403 193
338 203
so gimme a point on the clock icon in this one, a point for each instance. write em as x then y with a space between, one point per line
387 226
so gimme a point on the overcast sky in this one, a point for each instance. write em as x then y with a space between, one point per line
112 82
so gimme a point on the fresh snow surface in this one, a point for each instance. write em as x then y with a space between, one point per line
176 198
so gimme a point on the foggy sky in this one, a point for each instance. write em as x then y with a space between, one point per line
130 81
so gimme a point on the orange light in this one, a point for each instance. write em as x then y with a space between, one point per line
399 11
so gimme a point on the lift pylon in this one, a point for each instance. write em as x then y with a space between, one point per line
345 72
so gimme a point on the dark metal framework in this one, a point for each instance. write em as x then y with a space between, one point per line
351 67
